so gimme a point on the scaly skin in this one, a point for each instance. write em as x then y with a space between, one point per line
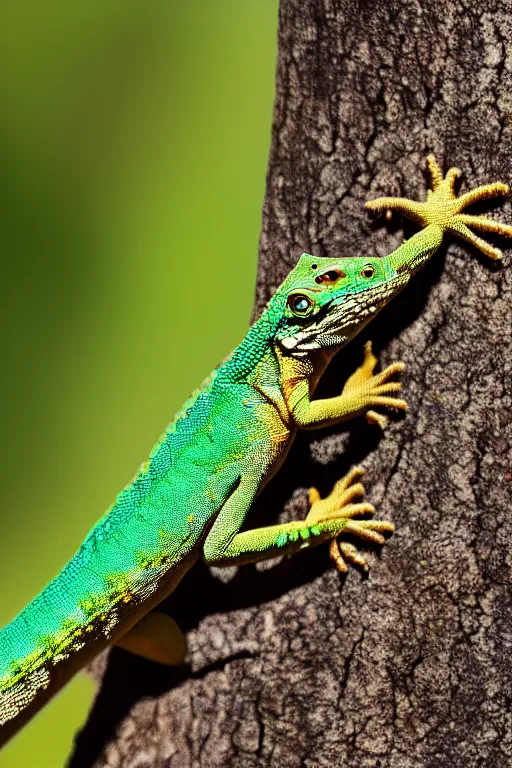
190 498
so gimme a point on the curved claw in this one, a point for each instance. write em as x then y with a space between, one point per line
410 208
373 417
342 552
449 180
435 171
485 192
369 530
459 229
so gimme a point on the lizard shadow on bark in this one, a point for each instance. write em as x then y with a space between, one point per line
129 678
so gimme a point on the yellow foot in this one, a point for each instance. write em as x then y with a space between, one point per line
443 208
341 502
370 390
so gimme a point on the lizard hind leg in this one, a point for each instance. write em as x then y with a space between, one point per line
156 637
341 504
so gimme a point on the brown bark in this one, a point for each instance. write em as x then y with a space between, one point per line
292 665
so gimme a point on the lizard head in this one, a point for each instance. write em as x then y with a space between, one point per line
324 302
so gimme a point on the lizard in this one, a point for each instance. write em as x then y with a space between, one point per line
190 498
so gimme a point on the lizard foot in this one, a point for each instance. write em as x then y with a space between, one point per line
341 504
369 389
443 208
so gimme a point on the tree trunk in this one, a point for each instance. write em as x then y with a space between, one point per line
292 665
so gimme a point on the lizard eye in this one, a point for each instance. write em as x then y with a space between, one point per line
368 271
299 304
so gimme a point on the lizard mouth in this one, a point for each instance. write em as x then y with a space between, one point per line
335 323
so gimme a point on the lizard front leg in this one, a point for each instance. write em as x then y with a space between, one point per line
327 519
362 392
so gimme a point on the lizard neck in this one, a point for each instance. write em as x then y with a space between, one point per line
261 362
294 369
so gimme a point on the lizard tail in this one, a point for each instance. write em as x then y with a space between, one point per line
76 615
39 651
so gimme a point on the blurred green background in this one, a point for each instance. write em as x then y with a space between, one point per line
133 151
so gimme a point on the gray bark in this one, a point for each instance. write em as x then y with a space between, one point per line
292 665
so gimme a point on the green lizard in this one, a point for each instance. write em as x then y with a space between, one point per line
190 498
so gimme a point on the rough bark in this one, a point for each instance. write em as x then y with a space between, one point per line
292 665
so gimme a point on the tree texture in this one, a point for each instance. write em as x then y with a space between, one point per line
292 665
